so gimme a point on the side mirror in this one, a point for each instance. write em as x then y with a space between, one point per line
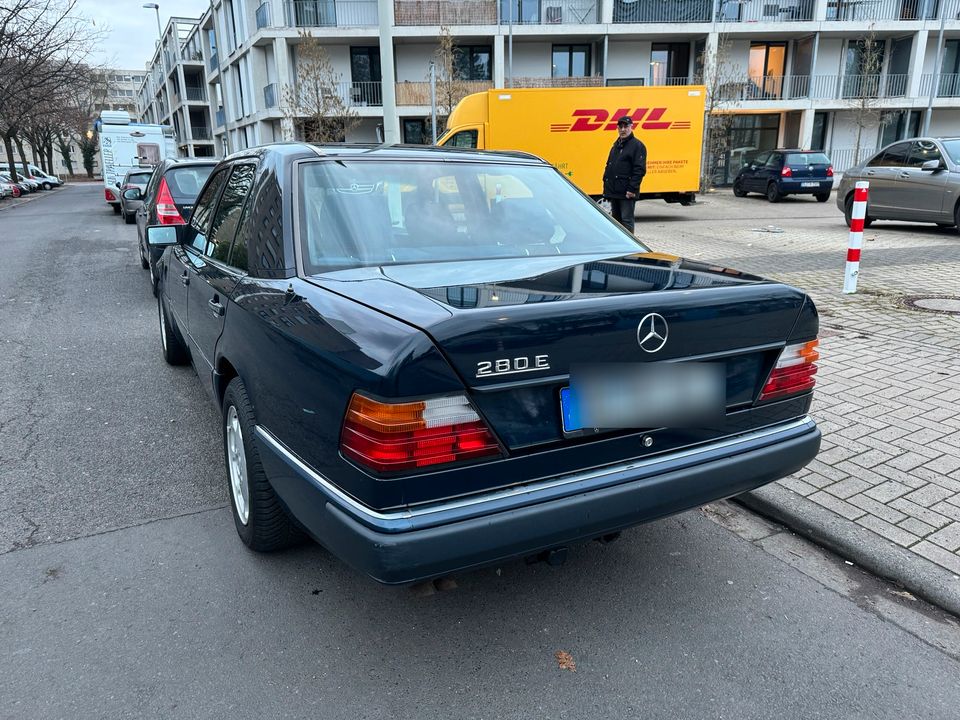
932 165
753 167
118 184
132 194
164 235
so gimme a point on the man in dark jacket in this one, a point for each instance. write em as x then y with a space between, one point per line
626 166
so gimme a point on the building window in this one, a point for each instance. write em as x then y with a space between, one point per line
415 132
669 63
472 62
768 62
571 61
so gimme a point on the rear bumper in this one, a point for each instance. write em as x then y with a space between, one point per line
423 542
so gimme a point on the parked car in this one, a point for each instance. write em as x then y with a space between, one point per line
6 190
133 179
915 180
22 187
778 173
403 345
168 200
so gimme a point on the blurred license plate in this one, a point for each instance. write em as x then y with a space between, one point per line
643 395
816 184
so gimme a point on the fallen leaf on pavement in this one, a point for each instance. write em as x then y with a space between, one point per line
565 660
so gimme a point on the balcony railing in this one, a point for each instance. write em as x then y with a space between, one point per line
214 61
947 85
330 13
547 12
662 11
195 93
201 133
907 10
418 93
270 95
556 82
445 12
817 87
753 11
662 81
219 117
263 16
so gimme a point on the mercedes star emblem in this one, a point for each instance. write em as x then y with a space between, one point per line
652 332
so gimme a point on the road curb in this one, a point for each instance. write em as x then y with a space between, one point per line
17 202
861 546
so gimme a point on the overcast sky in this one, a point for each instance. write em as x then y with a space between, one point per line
133 29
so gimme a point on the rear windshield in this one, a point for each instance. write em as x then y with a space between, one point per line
139 178
359 213
185 182
807 159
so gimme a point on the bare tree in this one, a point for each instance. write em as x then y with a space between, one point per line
43 48
863 90
723 94
451 88
319 104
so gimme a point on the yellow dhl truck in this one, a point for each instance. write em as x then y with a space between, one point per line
573 129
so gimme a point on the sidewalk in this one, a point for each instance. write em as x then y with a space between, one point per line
885 489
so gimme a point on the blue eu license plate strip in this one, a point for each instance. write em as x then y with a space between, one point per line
569 411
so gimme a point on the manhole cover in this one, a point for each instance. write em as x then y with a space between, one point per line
935 304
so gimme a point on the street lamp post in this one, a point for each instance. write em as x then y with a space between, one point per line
154 6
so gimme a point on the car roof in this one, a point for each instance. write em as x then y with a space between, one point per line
387 152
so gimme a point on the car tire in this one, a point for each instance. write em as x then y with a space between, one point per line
116 209
129 219
848 213
47 186
144 263
261 520
773 193
822 197
738 190
174 349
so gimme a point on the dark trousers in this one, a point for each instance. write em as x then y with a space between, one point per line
622 212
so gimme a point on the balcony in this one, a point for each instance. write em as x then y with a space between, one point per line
670 81
201 133
445 12
549 12
662 11
418 93
214 62
853 88
330 13
758 11
270 95
947 85
556 82
263 16
869 10
219 117
195 93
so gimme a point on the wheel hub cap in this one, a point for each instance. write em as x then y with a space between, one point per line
237 462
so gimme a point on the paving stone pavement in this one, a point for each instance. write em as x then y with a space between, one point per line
888 393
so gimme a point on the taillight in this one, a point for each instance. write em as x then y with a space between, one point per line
786 172
794 371
167 213
829 170
388 437
108 194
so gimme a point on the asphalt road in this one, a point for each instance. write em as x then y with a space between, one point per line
125 592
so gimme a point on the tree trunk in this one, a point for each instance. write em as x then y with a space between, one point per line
12 163
65 154
49 167
23 156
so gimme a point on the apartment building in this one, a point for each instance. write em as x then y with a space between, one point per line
803 73
174 90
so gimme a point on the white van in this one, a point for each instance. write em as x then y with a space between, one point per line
125 146
46 180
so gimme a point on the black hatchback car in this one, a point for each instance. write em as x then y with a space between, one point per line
167 200
404 345
778 173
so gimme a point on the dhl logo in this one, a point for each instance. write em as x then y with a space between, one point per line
643 118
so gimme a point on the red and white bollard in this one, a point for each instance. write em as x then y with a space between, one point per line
857 216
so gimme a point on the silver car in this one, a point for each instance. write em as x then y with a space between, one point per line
134 179
915 180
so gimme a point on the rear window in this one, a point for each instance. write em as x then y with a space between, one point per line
807 159
356 213
139 178
185 183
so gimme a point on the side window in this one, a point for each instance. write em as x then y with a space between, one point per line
876 160
759 159
774 160
464 139
227 217
203 210
921 152
896 156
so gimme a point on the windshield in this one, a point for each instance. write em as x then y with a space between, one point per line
185 182
359 213
952 148
139 178
807 159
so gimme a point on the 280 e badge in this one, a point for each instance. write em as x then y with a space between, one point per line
511 366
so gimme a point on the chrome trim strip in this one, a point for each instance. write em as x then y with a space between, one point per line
804 423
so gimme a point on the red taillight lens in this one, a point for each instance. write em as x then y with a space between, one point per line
829 170
167 213
786 172
388 437
794 371
108 194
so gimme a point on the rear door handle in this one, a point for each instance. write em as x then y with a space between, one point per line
904 175
871 173
185 278
216 307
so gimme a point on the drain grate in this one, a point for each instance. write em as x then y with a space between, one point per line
935 304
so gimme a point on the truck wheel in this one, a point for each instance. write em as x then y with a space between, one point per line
174 350
773 193
738 190
261 521
687 200
116 209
